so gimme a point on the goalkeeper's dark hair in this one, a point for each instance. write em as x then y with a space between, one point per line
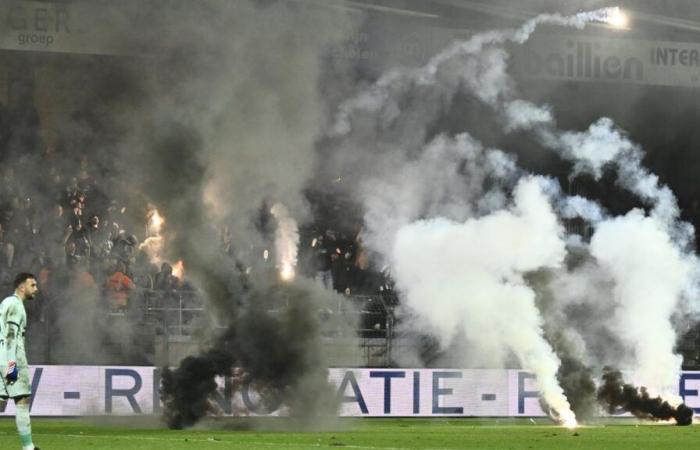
22 277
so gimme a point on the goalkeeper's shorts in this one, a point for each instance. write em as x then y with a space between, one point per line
20 388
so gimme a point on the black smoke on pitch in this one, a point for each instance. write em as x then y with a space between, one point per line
275 340
225 91
185 391
616 395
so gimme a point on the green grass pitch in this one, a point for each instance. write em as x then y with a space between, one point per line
492 434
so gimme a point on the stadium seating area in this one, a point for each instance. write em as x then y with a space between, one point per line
87 247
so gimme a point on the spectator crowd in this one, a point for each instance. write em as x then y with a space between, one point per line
63 225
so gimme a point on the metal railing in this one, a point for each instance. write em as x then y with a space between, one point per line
355 325
173 312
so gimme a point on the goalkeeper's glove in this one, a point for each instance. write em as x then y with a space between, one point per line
11 374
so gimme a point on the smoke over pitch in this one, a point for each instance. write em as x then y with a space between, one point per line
614 394
224 123
428 218
461 277
232 115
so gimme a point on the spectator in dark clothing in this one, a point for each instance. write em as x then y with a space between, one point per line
96 238
144 271
75 217
363 279
343 268
326 252
82 243
165 280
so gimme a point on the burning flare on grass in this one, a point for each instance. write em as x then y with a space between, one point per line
570 423
286 242
615 394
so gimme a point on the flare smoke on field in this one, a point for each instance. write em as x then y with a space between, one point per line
230 125
187 390
420 182
461 277
223 117
280 352
649 273
615 394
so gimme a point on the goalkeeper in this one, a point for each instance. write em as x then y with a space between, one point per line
14 369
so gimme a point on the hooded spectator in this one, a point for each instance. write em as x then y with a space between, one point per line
165 280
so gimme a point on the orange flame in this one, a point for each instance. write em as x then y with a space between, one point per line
179 270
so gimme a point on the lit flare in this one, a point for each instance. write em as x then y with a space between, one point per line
617 18
179 270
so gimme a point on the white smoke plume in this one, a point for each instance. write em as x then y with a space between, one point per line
463 277
484 73
433 184
650 274
286 241
604 145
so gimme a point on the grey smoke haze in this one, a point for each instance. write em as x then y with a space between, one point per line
214 123
230 132
393 117
224 122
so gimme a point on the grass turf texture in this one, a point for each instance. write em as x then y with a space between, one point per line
480 434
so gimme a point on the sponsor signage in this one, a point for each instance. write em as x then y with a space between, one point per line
76 27
85 27
592 59
105 390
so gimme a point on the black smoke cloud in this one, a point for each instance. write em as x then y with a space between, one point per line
186 391
212 119
615 394
210 111
231 130
275 340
